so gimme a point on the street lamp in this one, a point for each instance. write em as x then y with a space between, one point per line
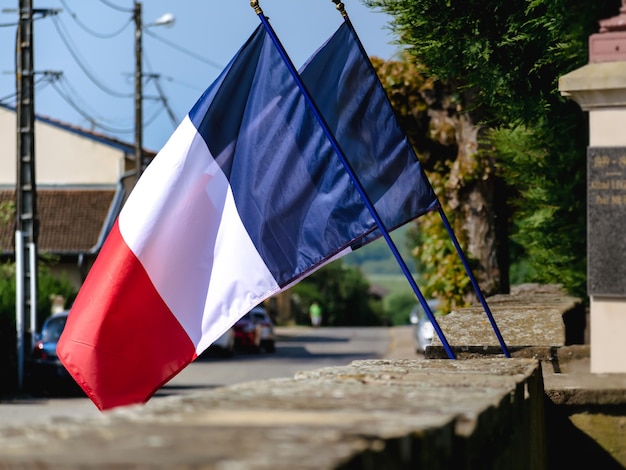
166 19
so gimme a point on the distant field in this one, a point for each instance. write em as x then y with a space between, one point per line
394 283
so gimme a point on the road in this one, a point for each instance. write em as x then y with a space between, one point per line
297 349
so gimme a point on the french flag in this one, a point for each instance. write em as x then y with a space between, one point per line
349 95
245 199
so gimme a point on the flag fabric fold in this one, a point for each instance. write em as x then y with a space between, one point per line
349 95
245 199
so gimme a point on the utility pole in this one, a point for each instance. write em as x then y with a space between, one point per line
166 19
27 226
139 160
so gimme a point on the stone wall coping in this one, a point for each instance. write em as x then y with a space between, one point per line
369 414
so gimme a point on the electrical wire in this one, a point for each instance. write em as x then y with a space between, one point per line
160 91
116 7
39 84
183 50
97 122
59 27
69 90
91 120
65 89
191 86
90 31
41 15
164 101
153 117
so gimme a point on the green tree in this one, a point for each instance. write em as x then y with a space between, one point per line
446 142
505 66
399 308
343 294
47 286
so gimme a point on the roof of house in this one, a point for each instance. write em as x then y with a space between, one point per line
71 220
90 134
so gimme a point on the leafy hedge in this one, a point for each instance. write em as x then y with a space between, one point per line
47 286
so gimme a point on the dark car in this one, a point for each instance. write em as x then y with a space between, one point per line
268 336
44 372
247 334
423 329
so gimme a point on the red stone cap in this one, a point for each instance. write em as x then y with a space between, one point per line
609 45
616 23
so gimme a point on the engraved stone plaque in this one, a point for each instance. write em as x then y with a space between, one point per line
606 221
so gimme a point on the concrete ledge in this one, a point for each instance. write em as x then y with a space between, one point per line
535 321
368 415
543 410
585 412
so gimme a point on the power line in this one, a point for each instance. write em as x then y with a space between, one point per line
59 27
45 79
191 86
183 50
166 105
160 91
116 7
69 90
90 119
89 116
42 12
83 26
152 118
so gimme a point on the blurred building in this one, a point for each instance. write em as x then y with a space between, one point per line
83 178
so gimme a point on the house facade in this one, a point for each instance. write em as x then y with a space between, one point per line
82 177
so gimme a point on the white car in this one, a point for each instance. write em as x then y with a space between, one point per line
268 336
224 346
423 329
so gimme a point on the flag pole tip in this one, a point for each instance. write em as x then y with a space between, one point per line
255 5
341 7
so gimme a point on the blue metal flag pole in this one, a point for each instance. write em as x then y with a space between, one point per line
477 289
255 5
479 294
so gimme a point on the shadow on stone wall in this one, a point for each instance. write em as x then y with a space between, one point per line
568 446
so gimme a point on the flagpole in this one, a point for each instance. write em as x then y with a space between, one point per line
341 8
477 289
257 9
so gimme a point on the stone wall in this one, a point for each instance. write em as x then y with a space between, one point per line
539 410
379 414
585 412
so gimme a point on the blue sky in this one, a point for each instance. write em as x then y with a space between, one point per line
92 43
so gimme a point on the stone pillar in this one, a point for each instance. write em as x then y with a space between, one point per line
600 89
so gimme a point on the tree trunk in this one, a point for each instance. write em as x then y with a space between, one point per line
480 210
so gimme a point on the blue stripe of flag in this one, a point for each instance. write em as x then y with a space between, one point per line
292 193
353 102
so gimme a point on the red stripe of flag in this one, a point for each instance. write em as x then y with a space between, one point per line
126 343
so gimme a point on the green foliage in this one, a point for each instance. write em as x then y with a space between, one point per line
444 275
343 294
512 56
506 65
377 258
47 285
7 211
8 340
399 308
550 222
412 95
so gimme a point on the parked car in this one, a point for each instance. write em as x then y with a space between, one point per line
44 371
423 330
247 334
268 336
223 346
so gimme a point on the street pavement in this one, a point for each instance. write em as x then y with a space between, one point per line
401 345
